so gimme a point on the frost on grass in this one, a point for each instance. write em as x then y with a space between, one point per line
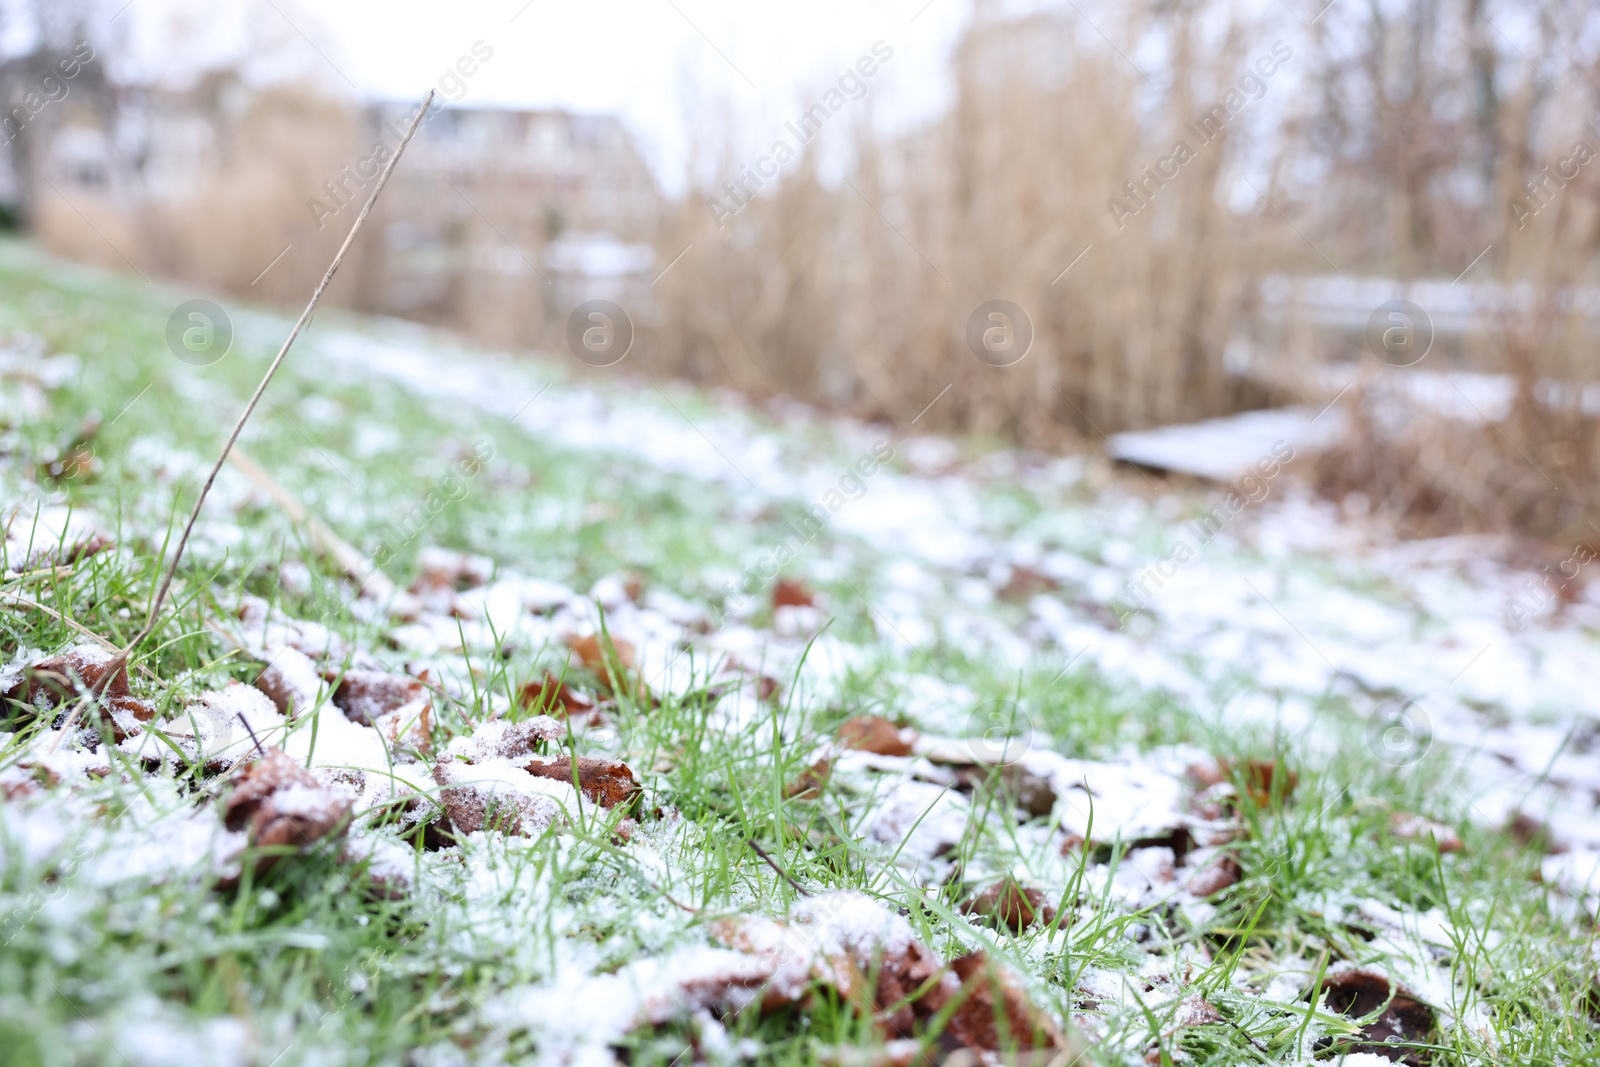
41 536
841 942
1183 824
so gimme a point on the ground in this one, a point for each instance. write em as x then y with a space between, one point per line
1258 781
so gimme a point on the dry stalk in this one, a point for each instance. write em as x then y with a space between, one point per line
120 661
362 570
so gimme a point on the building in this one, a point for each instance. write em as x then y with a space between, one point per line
500 219
498 223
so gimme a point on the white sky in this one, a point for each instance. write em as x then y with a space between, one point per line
654 62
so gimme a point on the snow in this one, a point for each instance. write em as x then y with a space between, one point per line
928 820
1338 300
38 533
832 937
474 792
1229 449
502 740
388 863
1289 605
1235 608
1577 873
154 1035
1124 800
576 1021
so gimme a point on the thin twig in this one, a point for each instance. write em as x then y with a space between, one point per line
798 888
120 661
674 901
249 730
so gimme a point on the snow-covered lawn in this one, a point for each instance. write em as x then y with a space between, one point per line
1021 750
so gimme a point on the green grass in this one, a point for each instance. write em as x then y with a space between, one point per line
315 966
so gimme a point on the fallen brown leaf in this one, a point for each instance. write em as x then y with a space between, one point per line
76 461
912 987
1025 583
1259 778
995 1013
1407 827
290 681
1358 993
1196 1010
366 696
280 803
1205 775
766 686
496 796
443 569
1010 905
792 593
1034 793
49 683
1218 874
810 782
593 650
841 939
603 656
870 733
515 742
551 696
397 705
1527 831
607 783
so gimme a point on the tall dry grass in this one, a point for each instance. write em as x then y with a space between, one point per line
226 215
1431 134
858 294
1410 131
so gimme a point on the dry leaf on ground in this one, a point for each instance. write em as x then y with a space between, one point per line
551 696
1407 827
366 696
607 783
510 741
495 795
604 656
281 804
1220 872
55 681
445 569
1357 993
1261 779
397 705
290 680
841 939
996 1013
792 593
810 782
870 733
1010 905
